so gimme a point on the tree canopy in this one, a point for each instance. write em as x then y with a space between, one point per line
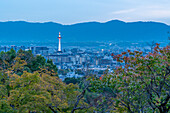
30 84
141 85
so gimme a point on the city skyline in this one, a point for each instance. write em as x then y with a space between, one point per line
76 11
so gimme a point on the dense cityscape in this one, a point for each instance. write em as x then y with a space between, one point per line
75 61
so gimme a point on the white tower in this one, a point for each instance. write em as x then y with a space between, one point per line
59 43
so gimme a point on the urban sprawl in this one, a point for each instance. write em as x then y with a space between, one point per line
77 61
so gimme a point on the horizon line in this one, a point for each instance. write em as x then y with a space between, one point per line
92 21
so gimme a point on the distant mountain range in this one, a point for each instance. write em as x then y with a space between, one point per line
114 30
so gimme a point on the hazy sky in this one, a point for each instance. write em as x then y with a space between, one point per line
76 11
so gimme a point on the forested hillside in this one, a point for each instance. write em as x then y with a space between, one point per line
30 84
114 30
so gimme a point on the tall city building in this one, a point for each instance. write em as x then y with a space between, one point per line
59 43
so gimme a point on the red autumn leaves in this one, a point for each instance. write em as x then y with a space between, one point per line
126 56
101 77
136 57
121 57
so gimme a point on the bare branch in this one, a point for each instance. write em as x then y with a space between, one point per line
79 97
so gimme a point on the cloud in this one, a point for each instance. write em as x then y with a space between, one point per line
124 11
157 13
147 12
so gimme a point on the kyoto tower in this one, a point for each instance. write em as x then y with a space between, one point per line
59 44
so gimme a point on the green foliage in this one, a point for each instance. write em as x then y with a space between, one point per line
143 85
79 72
30 84
25 61
27 93
63 71
5 107
72 80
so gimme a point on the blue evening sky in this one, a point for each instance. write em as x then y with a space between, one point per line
76 11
